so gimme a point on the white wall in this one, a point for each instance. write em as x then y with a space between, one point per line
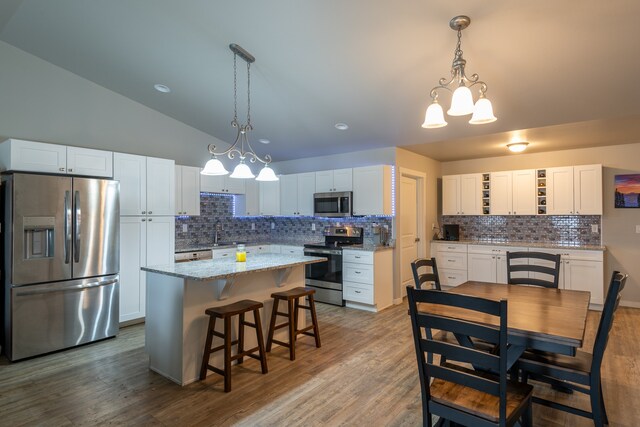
42 102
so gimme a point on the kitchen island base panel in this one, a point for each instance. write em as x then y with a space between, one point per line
176 324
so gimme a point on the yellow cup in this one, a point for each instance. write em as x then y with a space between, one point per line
241 256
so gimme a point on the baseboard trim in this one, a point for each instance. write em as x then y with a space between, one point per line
631 304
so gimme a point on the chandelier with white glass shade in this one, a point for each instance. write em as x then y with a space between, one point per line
242 170
462 98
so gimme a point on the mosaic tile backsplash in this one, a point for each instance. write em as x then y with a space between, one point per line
565 229
218 209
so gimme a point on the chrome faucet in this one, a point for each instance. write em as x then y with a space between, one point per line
218 229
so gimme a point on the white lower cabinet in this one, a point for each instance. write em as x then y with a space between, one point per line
451 259
489 263
144 242
580 271
367 279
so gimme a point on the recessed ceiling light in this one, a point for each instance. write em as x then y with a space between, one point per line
264 141
342 126
162 88
517 147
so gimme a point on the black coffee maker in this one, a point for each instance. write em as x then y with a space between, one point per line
451 232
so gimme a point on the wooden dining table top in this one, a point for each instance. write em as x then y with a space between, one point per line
553 315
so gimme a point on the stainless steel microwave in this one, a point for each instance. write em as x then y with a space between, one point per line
334 204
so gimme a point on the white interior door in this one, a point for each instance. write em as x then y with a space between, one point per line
408 228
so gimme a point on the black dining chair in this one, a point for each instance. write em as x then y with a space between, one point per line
429 276
462 390
553 273
584 369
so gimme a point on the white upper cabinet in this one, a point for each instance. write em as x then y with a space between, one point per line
513 192
587 182
524 192
471 194
334 180
560 191
187 190
30 156
221 184
147 184
161 186
299 189
84 161
372 190
462 194
451 195
131 171
249 204
270 197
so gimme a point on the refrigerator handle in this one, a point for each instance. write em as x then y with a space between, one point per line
67 228
76 226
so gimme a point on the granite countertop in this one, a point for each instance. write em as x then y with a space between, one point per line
548 245
369 247
224 268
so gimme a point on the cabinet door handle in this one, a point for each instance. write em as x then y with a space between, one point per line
61 169
150 212
70 170
150 219
144 212
143 220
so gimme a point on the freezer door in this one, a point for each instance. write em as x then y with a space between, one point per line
54 316
40 218
96 229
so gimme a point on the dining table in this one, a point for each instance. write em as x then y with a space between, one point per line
538 318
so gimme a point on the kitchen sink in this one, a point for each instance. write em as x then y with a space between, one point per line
226 244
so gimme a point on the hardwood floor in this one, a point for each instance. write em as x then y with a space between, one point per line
364 374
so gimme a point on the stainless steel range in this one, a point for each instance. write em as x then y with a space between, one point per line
326 277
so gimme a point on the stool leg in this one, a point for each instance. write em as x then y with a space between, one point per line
272 324
241 337
314 320
296 311
227 354
292 331
263 354
207 347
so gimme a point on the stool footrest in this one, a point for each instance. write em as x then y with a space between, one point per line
216 370
217 334
279 313
251 325
306 307
309 334
283 325
284 344
245 353
304 330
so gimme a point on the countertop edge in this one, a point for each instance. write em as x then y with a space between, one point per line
525 244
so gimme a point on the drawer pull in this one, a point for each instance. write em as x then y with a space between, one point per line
356 257
449 277
358 292
451 260
450 247
357 272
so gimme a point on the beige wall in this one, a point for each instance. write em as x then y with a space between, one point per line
407 159
618 225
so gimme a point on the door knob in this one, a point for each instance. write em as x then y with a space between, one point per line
417 239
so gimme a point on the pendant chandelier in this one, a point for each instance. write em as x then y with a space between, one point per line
242 170
462 99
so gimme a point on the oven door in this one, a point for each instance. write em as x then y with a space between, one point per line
329 271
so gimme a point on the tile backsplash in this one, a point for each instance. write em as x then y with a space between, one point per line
218 209
564 229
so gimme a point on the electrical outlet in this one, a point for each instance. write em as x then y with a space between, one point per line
184 228
253 225
273 225
313 227
638 229
594 228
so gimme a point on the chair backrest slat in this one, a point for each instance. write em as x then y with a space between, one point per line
611 303
428 277
484 361
553 272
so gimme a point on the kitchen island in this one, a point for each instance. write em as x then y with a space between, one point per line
178 295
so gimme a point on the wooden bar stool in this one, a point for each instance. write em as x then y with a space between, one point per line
292 297
226 312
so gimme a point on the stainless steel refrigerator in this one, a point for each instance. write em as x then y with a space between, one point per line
60 243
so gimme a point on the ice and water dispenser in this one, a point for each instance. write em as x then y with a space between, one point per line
38 234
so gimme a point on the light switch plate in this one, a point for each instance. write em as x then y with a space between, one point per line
253 225
638 229
313 227
273 225
594 228
184 228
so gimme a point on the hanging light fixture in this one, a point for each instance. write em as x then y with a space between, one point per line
242 170
462 99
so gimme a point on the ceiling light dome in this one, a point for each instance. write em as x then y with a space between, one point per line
517 147
267 174
242 171
434 118
214 167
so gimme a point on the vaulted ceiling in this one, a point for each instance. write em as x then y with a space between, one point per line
561 74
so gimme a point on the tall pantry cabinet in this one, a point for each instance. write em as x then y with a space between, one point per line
147 224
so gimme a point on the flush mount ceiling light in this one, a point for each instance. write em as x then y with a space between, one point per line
517 147
342 126
242 170
460 84
161 88
264 141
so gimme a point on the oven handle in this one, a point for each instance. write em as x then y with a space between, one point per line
313 252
